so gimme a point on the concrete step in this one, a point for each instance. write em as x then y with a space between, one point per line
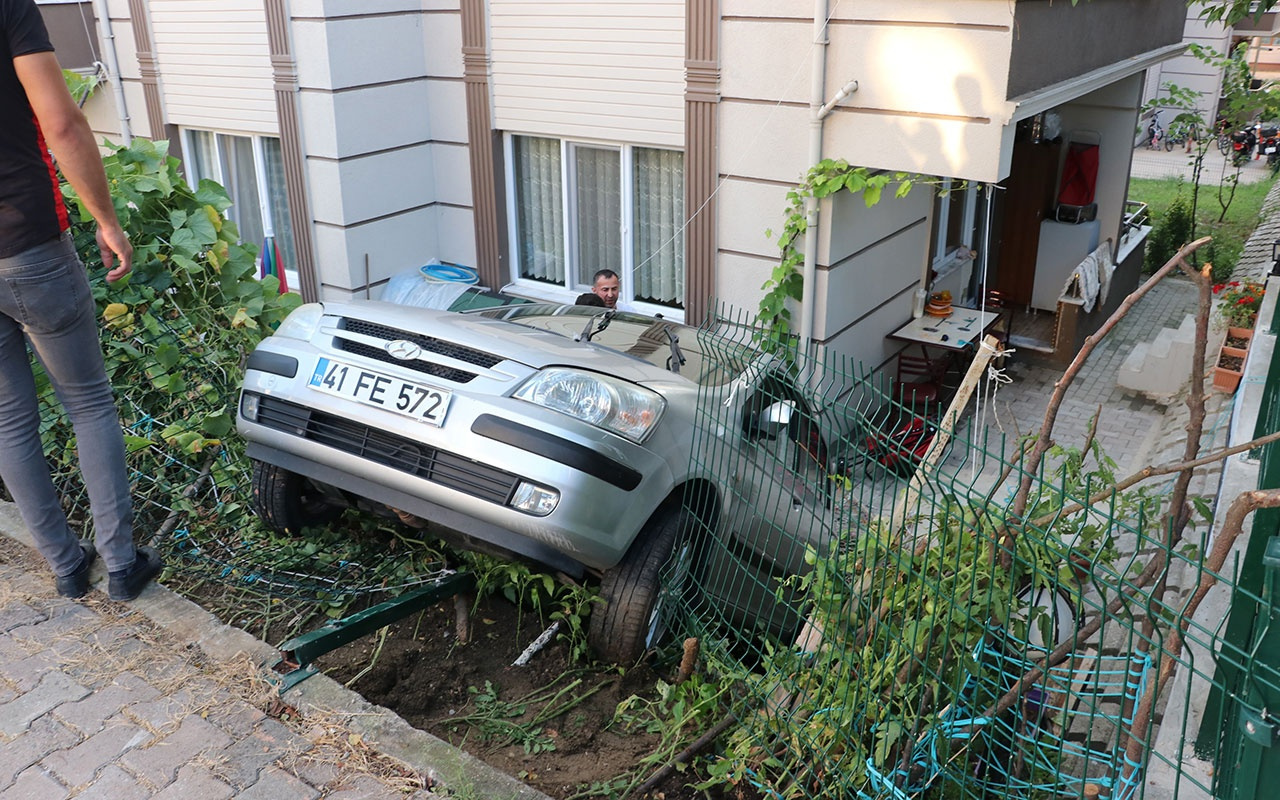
1132 365
1158 369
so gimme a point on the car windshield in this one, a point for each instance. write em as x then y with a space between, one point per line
708 359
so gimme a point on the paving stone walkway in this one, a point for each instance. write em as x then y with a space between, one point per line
157 699
1177 163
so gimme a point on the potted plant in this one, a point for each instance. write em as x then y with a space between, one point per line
1229 368
1239 338
1238 303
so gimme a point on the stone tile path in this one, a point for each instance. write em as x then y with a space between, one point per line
157 699
1174 163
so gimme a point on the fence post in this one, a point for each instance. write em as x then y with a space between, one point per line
1259 730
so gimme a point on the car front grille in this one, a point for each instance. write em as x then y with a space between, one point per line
414 458
429 344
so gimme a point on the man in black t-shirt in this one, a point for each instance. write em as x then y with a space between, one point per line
45 301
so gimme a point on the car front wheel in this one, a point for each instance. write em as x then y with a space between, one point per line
287 502
632 616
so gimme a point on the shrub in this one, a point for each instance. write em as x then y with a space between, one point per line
1172 230
1222 256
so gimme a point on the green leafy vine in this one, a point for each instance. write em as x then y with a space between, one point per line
824 179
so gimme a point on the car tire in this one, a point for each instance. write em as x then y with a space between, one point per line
287 502
631 617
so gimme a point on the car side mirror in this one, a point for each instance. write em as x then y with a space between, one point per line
772 419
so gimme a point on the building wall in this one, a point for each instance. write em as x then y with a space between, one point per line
1264 57
385 138
931 85
587 70
1188 72
931 99
869 269
102 110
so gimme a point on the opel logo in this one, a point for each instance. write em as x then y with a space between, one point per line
403 350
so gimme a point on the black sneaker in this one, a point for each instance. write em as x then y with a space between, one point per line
129 584
77 583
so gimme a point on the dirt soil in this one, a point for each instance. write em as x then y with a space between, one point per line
457 693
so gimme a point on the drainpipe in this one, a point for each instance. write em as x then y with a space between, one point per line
113 67
817 90
818 111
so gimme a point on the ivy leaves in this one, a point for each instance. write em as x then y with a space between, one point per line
786 282
181 321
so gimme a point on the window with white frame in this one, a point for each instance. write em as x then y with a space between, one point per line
958 218
251 169
576 208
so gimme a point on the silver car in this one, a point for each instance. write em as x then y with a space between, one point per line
554 433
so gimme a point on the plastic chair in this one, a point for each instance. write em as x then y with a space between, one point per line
919 380
1002 330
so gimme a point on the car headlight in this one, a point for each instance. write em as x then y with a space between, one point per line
615 405
302 322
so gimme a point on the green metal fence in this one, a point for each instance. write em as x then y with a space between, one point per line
1238 714
902 624
191 481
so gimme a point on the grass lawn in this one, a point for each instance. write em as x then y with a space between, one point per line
1229 236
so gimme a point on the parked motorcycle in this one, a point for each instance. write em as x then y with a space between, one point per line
1242 146
1269 146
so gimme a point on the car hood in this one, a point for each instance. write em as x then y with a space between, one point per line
532 347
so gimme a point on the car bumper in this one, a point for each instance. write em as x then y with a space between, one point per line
463 473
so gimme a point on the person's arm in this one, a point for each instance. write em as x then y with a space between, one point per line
68 135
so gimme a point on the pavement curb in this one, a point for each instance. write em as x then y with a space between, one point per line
456 772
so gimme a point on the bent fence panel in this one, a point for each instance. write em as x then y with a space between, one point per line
191 481
899 631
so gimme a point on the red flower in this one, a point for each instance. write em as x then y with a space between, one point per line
1234 284
1217 287
1244 301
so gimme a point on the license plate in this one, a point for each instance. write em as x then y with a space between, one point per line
423 403
1271 150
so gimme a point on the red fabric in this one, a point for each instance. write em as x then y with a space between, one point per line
59 207
1079 175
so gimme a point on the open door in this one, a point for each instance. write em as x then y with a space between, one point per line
1027 200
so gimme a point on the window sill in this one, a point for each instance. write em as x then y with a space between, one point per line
951 262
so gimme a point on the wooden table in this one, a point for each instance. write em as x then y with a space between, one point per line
960 331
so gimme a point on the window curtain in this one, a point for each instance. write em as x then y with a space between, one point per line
203 159
658 237
539 209
598 211
278 204
240 179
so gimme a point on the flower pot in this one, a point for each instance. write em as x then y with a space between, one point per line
1244 335
1229 369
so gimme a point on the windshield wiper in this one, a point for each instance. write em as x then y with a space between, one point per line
677 359
587 333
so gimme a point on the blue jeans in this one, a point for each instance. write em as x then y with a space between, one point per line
45 299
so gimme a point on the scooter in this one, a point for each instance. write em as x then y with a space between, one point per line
1242 146
1269 146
